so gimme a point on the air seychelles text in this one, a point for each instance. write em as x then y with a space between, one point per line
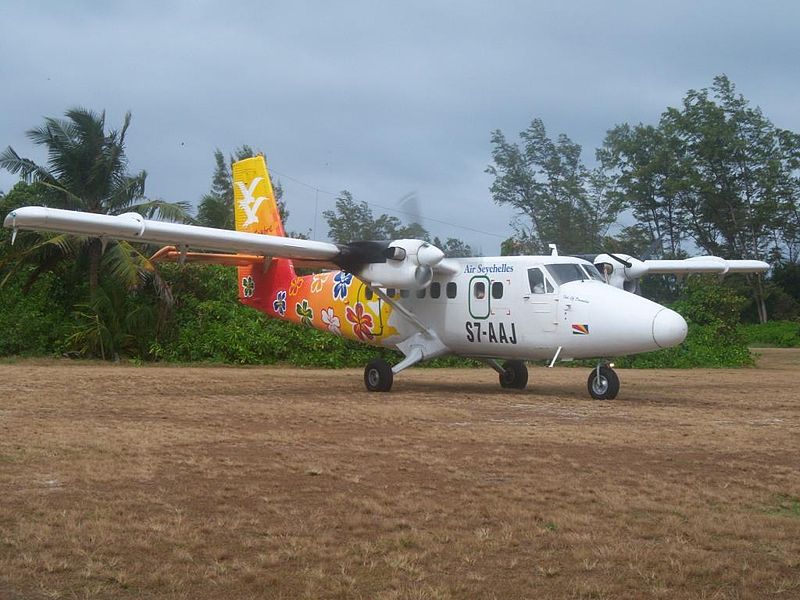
486 269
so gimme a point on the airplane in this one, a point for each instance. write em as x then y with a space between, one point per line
406 295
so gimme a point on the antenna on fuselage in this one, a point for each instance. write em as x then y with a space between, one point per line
553 249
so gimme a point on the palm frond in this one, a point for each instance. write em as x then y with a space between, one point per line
121 262
165 211
27 169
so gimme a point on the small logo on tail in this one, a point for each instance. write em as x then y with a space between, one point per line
248 203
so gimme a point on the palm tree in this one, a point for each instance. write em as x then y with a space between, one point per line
87 170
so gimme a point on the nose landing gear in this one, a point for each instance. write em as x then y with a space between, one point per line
603 383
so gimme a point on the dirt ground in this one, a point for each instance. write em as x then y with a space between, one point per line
195 482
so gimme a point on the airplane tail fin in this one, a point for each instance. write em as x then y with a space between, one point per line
256 211
254 204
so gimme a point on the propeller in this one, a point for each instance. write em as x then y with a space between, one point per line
625 263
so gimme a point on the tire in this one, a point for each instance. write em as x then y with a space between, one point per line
604 388
378 376
515 375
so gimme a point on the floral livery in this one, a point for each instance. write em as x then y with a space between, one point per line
248 286
335 302
362 322
305 312
295 286
279 305
331 321
318 281
341 283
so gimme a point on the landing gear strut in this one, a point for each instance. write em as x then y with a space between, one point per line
603 383
378 376
514 375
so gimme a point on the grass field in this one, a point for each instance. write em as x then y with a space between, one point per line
164 482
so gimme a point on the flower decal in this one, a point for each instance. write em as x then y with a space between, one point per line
342 281
279 305
331 320
362 322
295 286
318 280
248 286
305 312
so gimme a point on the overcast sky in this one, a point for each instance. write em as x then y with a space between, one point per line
382 99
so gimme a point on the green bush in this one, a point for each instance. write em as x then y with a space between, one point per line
33 322
780 334
207 323
714 338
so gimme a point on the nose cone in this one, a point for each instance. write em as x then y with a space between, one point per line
669 328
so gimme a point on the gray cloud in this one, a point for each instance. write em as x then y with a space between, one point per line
380 100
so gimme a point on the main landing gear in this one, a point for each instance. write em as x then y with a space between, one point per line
514 375
603 383
378 376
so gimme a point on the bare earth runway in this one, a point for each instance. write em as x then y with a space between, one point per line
126 482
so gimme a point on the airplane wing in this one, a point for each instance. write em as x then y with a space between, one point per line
706 264
397 263
624 271
134 227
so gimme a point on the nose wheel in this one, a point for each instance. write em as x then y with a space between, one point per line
603 383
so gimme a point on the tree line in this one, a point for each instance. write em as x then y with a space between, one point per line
713 176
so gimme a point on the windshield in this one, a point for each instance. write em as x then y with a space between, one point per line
593 272
565 272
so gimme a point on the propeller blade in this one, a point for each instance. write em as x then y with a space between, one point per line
620 260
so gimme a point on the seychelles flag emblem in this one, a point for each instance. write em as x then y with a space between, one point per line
580 329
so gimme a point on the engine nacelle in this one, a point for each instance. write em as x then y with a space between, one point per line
621 275
409 265
393 275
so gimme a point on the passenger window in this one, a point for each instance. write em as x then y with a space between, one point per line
404 293
421 293
479 290
497 290
368 293
536 281
436 289
390 292
451 290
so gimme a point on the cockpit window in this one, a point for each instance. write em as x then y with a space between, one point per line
539 284
593 272
566 272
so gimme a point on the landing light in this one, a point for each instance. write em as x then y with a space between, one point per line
611 365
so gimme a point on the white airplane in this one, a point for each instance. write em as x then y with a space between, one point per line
404 294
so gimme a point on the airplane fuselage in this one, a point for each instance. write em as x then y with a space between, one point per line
523 307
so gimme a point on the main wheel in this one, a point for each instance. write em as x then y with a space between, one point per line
604 387
515 375
378 376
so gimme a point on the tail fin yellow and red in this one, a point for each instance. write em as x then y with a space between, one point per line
255 206
256 211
